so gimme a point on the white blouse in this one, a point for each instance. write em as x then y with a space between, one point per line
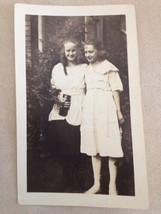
72 84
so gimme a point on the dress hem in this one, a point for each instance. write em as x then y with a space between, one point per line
103 155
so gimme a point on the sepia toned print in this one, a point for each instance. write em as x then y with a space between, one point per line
54 162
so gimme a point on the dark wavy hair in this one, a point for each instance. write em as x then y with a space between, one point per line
97 44
79 57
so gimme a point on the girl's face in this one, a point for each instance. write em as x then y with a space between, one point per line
70 51
90 53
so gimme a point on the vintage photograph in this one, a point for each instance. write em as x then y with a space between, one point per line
79 122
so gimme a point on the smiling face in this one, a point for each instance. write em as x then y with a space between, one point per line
91 53
70 51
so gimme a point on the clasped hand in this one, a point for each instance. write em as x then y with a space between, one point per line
62 99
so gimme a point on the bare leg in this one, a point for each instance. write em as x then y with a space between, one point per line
96 165
113 175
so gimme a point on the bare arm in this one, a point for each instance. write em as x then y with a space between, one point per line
116 97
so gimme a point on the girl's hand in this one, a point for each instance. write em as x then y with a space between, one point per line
56 96
64 99
67 104
120 117
67 101
61 99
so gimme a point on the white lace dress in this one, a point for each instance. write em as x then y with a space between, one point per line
100 133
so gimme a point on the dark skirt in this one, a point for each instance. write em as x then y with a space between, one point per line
63 138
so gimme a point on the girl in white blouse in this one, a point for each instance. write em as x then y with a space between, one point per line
100 130
65 118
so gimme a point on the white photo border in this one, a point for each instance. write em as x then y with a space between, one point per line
140 200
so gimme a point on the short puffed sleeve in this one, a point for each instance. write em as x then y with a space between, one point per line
55 72
105 67
113 75
115 81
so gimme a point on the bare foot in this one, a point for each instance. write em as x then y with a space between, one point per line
94 189
113 191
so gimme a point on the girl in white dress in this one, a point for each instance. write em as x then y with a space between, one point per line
102 117
67 81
